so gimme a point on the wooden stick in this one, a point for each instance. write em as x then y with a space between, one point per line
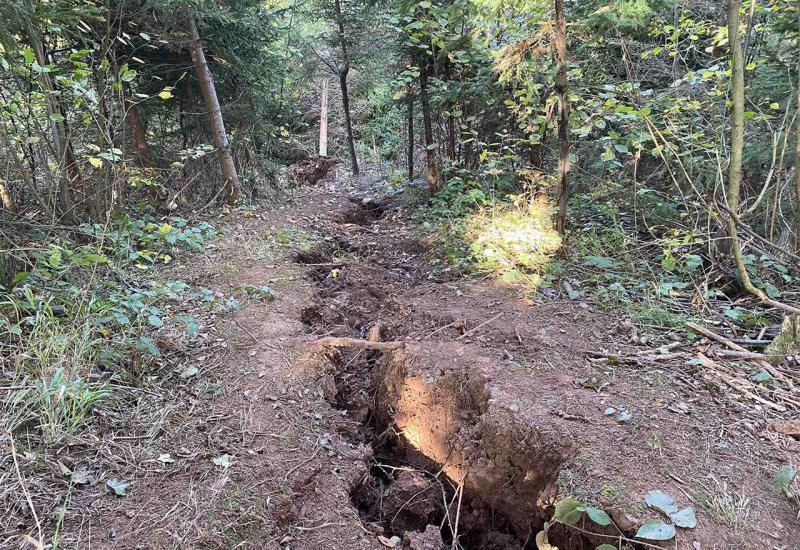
333 342
479 326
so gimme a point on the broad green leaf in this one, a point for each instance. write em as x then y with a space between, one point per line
685 518
606 547
568 511
190 324
661 501
597 515
655 530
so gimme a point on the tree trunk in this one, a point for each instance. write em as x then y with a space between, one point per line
136 126
218 135
344 70
430 148
560 39
323 121
410 153
351 141
737 148
62 147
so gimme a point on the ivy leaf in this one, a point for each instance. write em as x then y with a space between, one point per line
568 511
685 518
661 501
655 530
118 487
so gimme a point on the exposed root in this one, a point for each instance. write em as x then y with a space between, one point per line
333 342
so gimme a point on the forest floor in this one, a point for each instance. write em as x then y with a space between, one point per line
493 407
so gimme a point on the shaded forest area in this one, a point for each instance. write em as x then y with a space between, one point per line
637 159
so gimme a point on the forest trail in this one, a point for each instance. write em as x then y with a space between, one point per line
496 407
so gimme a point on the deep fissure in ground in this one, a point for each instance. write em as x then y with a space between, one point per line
411 490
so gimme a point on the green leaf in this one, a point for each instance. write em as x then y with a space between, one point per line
597 515
762 377
147 344
685 518
599 261
568 511
606 547
783 478
191 326
655 530
661 501
118 487
155 321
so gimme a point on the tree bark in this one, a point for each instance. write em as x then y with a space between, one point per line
430 147
737 148
323 121
344 70
136 126
218 134
410 152
560 40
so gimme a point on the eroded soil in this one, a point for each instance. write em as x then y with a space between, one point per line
493 409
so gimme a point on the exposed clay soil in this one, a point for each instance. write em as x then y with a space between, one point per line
490 412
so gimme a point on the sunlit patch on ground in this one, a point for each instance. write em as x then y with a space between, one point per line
514 243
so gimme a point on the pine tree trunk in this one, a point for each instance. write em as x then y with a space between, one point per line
323 120
560 39
218 134
430 148
410 153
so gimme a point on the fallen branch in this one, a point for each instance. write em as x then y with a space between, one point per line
334 342
737 384
736 347
470 331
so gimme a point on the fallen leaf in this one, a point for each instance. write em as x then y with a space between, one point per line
389 543
223 461
655 530
685 518
165 458
188 372
80 477
661 501
118 486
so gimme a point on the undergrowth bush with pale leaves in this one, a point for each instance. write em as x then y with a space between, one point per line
514 242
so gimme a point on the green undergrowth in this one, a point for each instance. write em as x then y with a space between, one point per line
79 318
639 263
480 224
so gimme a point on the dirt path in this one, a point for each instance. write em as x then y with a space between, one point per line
494 408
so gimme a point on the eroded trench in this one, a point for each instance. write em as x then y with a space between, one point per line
450 467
